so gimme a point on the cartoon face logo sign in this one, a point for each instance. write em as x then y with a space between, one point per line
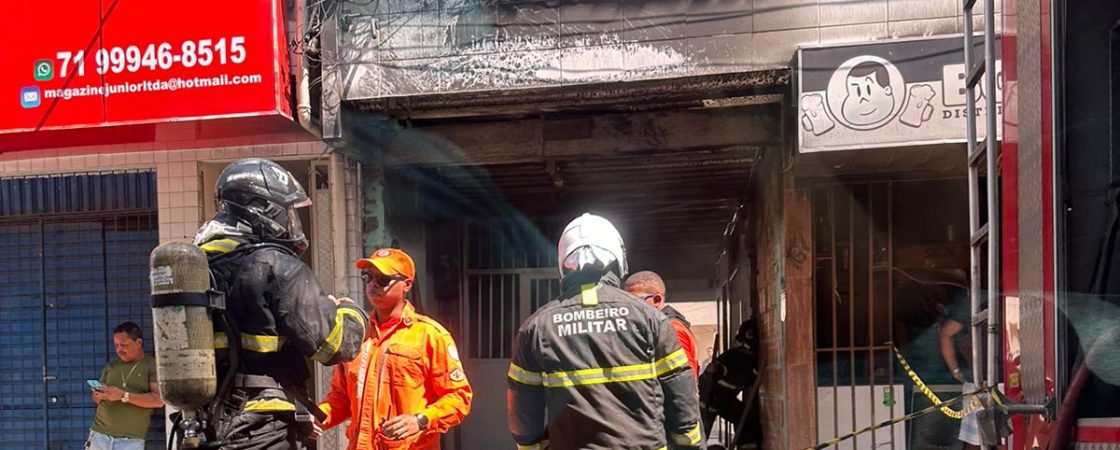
870 98
866 92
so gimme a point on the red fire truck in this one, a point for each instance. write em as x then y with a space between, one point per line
1055 228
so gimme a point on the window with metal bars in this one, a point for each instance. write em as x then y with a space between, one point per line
509 274
889 257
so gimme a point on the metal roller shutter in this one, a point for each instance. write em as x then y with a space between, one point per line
73 264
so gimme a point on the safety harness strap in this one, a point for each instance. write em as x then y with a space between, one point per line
180 299
256 382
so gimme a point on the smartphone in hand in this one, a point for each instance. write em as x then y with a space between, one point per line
94 384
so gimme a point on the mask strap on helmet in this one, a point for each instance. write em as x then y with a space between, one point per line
262 218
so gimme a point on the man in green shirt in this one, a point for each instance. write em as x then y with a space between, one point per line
127 395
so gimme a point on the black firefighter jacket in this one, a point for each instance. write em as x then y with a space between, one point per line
282 314
601 369
732 373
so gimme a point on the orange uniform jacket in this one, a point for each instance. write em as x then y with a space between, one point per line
413 368
688 343
684 335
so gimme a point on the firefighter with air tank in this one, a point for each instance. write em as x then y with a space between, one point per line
242 290
602 366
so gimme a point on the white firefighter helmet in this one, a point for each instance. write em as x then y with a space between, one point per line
590 242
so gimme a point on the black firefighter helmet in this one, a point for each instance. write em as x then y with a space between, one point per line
264 196
745 334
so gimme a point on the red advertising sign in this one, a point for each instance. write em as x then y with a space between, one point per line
91 63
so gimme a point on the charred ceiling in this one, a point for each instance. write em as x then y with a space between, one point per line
664 204
572 137
706 91
671 180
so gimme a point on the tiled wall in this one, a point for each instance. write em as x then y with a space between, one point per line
178 176
782 241
177 173
799 331
768 214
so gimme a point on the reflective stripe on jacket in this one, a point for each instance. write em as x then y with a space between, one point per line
413 368
283 315
606 370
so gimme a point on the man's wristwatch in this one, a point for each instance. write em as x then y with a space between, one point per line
422 420
124 398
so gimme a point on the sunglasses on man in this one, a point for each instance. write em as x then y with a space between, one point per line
381 280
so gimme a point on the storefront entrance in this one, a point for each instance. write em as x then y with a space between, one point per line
890 258
671 181
73 265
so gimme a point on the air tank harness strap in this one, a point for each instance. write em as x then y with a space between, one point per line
304 405
256 382
181 299
209 299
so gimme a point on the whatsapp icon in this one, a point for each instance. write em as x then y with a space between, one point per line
44 70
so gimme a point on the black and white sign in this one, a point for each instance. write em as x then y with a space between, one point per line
888 94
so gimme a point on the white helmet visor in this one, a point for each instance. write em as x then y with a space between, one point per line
588 258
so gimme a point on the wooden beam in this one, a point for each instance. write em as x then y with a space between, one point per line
798 298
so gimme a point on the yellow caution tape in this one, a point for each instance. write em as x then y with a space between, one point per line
938 405
929 409
973 404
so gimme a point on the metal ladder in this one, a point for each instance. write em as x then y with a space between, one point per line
982 156
985 231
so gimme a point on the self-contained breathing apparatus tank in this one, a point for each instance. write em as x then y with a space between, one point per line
184 333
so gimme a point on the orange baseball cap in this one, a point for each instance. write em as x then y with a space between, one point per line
389 261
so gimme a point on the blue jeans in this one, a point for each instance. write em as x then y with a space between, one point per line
98 441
